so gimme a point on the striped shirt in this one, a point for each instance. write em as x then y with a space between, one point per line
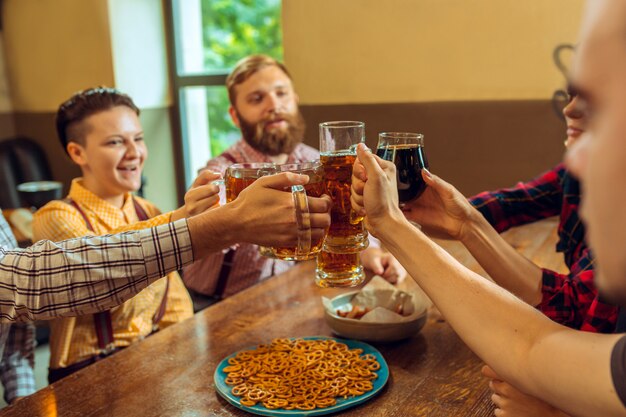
74 339
84 275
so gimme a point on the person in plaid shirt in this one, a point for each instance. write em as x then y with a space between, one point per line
570 299
579 372
95 273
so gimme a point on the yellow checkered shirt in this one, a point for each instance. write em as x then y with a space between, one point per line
74 339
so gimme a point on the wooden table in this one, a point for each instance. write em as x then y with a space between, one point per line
171 373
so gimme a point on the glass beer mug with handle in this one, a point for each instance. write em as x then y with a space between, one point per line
314 188
241 175
338 141
406 151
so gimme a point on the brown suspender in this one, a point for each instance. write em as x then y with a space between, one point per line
102 320
229 257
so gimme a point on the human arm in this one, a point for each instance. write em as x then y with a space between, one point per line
84 275
443 211
18 360
520 344
202 195
88 274
59 220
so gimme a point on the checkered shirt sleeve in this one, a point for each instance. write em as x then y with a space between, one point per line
16 367
527 202
573 300
85 275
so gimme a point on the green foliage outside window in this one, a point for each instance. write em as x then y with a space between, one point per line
233 29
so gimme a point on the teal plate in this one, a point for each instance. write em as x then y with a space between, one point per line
342 403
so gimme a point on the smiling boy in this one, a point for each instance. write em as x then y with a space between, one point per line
100 130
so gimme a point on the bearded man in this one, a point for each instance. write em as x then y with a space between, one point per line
264 106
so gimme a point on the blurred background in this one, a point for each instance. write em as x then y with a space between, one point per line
476 78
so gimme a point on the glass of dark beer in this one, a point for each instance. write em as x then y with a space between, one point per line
406 151
338 141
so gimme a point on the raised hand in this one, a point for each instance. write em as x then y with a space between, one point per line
268 212
374 192
441 210
202 195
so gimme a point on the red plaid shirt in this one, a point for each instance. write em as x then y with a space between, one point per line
570 299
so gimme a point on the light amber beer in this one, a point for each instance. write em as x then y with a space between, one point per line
315 188
240 176
236 185
345 235
338 269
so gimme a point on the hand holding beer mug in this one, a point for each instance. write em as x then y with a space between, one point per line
339 263
406 151
314 188
338 142
240 176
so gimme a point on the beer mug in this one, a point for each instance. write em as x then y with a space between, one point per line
241 175
406 151
338 269
314 188
338 141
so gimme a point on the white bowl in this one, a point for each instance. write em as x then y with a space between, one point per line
373 332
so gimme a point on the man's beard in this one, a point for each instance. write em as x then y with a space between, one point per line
277 141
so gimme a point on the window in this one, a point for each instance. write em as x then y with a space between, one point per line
209 37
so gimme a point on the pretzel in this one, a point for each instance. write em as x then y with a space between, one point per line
300 374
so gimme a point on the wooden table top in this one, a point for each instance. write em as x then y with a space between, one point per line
171 373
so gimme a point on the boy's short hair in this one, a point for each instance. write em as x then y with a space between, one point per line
84 104
247 67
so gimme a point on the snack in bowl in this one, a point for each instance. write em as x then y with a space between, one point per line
300 374
378 313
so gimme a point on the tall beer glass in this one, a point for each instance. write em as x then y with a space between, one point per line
406 151
338 142
314 188
338 269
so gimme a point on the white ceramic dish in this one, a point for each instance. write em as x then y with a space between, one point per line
373 332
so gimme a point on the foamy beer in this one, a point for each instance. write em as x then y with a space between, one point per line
314 188
338 142
339 269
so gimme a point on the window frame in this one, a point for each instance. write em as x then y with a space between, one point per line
178 82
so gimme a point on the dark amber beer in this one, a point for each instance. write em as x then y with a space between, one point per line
406 151
240 176
314 188
339 269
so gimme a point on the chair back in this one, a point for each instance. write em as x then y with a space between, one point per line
21 160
